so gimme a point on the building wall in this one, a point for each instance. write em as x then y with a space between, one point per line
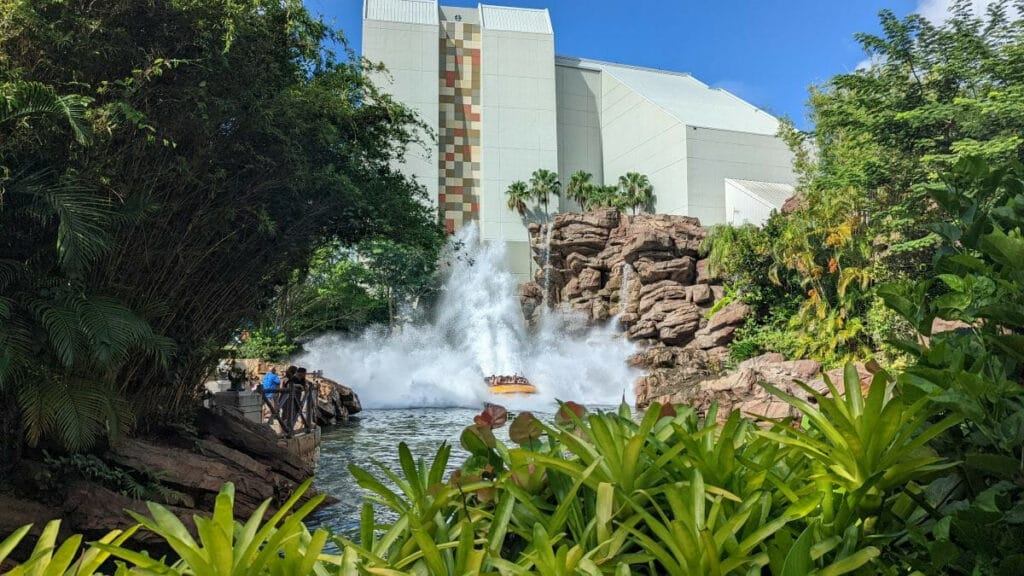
638 136
459 123
579 125
410 52
519 130
742 207
714 155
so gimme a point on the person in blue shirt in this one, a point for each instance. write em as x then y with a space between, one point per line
270 380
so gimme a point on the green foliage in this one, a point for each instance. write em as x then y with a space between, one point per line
609 493
543 185
266 343
604 197
48 559
934 93
579 186
668 494
280 544
636 191
518 194
975 371
144 485
165 170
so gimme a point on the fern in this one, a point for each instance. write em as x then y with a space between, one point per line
22 100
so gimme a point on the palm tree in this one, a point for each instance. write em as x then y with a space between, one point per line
579 187
517 194
544 183
636 190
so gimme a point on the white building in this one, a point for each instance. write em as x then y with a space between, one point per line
502 105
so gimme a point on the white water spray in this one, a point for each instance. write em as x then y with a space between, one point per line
627 276
547 267
479 331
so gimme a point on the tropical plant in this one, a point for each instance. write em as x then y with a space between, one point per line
543 185
517 195
975 371
637 191
280 544
668 494
934 92
62 345
578 188
203 169
600 493
605 197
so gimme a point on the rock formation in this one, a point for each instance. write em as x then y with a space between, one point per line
645 270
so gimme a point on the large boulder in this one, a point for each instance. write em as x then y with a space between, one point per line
681 270
648 242
721 327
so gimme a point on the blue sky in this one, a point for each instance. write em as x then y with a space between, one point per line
765 51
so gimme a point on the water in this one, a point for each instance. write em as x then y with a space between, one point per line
375 435
478 331
424 383
547 267
627 275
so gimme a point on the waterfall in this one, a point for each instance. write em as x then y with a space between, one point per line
479 330
627 276
547 266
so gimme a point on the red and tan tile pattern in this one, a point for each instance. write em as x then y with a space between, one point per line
459 125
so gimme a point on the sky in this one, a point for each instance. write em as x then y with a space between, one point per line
768 52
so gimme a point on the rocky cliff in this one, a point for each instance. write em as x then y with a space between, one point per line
645 270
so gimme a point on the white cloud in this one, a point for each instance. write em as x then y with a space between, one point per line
938 10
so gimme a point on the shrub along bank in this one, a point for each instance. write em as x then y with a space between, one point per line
919 473
934 93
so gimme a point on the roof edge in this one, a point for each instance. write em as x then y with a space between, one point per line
576 61
549 27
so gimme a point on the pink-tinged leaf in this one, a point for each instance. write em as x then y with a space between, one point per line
492 416
477 439
565 413
525 429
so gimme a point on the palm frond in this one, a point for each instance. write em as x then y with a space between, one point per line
27 99
83 217
77 412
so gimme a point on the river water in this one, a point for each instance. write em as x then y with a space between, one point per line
422 384
375 435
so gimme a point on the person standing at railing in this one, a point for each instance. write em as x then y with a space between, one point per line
271 381
292 396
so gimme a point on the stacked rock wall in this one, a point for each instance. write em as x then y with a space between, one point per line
645 270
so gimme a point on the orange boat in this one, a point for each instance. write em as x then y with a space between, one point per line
515 384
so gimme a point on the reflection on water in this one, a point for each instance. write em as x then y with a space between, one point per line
374 435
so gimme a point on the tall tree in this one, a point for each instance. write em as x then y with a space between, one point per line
636 190
228 142
543 185
516 196
578 188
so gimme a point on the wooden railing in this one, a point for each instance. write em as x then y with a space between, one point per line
293 408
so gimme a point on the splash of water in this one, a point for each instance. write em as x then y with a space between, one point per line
479 330
627 276
547 266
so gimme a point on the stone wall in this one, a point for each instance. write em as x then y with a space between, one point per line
644 270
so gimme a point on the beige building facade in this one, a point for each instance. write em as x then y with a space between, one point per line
501 104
